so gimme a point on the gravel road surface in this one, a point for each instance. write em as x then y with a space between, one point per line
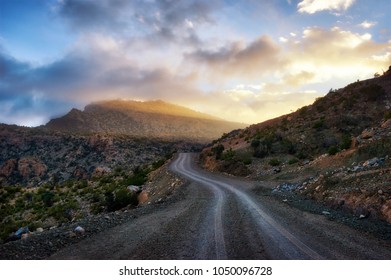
221 217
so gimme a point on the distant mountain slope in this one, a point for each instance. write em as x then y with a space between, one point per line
145 119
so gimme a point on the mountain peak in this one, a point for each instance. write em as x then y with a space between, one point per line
155 118
151 106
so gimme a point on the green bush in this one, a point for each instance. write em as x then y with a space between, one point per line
47 198
346 142
319 124
293 161
288 147
62 211
158 163
218 150
303 111
255 143
139 177
229 154
332 150
301 155
246 159
274 162
119 199
378 148
387 115
372 92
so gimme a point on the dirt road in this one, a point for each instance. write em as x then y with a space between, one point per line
219 217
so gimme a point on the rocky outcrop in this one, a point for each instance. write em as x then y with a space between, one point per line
386 124
367 133
101 171
386 211
8 167
25 167
31 167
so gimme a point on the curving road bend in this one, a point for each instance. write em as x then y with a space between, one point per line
286 245
220 217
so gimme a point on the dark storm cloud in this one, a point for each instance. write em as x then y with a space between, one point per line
256 58
10 68
78 79
91 14
22 99
172 20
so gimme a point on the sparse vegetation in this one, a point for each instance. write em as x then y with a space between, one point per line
372 92
218 151
379 148
333 150
274 162
319 124
293 161
229 154
346 142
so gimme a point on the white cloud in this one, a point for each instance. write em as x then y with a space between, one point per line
189 24
367 24
313 6
283 40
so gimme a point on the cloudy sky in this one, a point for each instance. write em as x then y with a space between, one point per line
244 61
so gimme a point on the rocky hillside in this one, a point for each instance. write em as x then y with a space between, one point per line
32 156
330 141
49 178
143 119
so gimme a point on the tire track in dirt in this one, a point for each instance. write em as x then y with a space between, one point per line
289 246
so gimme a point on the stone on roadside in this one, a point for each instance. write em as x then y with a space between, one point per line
79 230
367 133
39 230
25 235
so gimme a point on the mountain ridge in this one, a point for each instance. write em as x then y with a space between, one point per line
143 119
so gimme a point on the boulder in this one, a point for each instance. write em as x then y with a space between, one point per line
385 211
386 124
39 230
79 230
25 235
374 162
31 167
367 134
136 189
101 171
8 167
142 197
80 173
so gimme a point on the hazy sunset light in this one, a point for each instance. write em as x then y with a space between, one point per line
244 61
